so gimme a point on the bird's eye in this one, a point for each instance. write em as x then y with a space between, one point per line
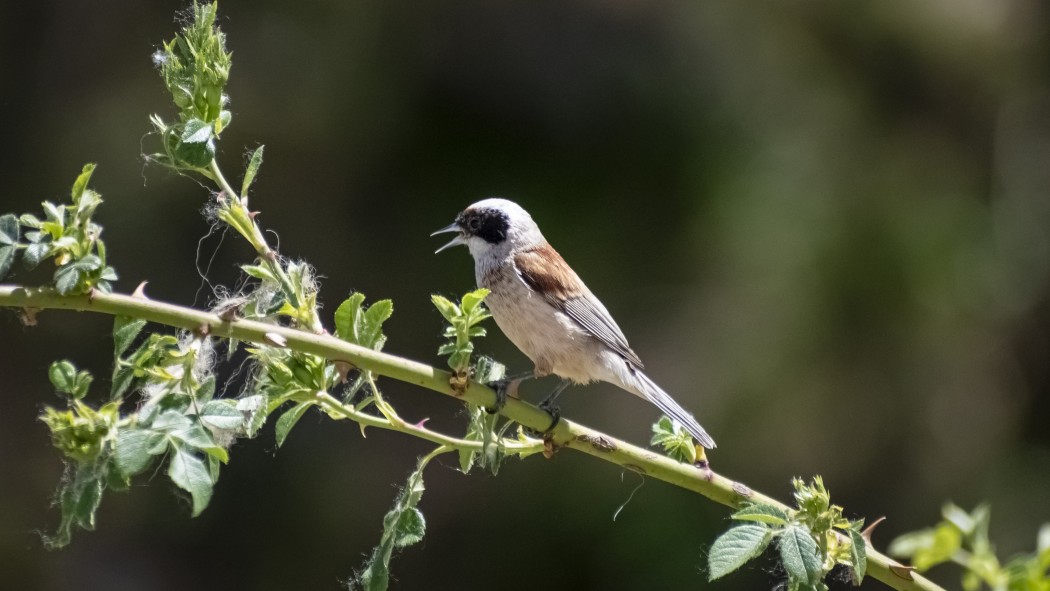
474 224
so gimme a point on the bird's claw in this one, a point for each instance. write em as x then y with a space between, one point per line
500 387
554 411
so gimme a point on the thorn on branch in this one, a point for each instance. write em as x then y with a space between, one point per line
866 534
902 571
140 291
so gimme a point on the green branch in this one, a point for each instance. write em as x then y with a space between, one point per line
698 478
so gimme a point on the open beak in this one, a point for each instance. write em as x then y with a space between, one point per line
455 241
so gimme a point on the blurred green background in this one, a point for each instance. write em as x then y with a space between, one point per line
823 225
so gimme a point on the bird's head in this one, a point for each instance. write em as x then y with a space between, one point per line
493 227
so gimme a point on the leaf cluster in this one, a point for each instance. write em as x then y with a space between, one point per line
463 325
195 67
962 538
810 540
65 233
404 525
675 440
178 420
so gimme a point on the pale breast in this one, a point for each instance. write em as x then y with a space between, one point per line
552 340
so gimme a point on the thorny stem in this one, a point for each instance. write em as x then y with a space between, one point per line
238 206
699 478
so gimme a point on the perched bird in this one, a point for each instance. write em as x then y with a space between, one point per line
544 308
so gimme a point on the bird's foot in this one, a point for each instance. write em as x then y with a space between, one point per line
500 387
550 408
554 411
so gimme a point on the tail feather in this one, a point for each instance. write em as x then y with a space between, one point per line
653 393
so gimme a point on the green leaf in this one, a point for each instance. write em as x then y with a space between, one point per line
82 181
190 473
253 169
123 376
196 132
929 547
288 420
134 449
125 329
466 459
858 556
259 272
372 333
256 410
9 229
66 278
346 317
446 307
411 527
403 525
35 253
7 258
63 375
762 514
799 555
195 154
222 414
736 547
79 497
472 300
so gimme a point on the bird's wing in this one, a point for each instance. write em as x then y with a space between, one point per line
547 273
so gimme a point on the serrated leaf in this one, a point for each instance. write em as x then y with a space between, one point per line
190 473
446 307
735 547
125 329
9 229
206 391
35 253
252 170
66 279
7 258
799 555
256 410
123 376
195 436
346 317
762 514
222 414
378 313
466 459
471 300
411 527
82 181
134 449
858 556
196 132
288 420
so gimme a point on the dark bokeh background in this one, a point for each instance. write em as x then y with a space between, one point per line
824 226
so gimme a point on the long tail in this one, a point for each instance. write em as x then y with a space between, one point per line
646 388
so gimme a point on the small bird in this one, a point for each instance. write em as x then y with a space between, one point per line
544 308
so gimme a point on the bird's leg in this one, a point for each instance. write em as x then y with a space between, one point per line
548 405
502 385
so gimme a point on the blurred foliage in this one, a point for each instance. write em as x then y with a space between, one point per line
843 207
962 538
